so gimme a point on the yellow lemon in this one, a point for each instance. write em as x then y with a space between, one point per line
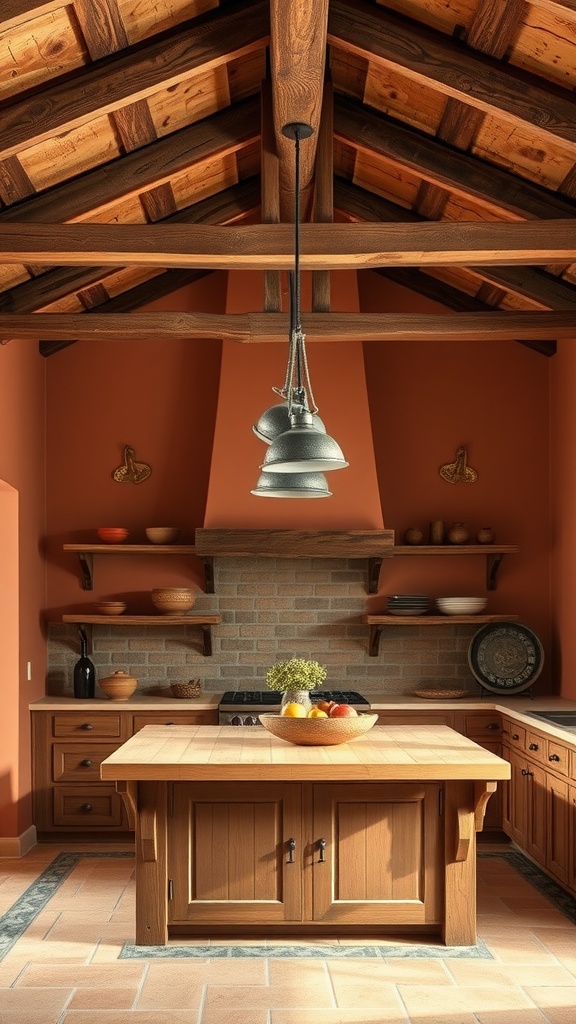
317 713
293 710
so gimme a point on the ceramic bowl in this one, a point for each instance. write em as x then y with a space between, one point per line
173 600
461 605
162 534
318 732
110 607
118 686
112 534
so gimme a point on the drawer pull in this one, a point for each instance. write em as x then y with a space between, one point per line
493 725
533 746
553 757
86 808
291 848
526 772
322 845
515 736
87 726
86 763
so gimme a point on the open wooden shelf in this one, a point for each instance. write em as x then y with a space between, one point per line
493 553
86 552
379 622
203 622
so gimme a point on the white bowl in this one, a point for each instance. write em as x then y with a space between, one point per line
461 605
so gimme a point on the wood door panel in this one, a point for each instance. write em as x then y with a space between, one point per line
382 845
237 866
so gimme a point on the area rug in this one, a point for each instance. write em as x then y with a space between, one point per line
27 907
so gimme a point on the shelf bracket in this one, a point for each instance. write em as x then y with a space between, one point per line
374 641
87 569
493 561
374 573
206 641
208 574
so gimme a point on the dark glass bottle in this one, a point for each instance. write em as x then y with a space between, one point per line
84 671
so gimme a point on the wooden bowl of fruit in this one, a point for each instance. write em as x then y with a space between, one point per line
320 728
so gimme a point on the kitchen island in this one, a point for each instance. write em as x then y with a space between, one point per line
239 833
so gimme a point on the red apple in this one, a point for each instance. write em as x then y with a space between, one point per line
325 705
342 711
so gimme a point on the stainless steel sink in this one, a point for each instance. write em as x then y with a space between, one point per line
562 719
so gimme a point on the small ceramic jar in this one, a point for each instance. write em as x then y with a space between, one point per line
413 535
458 534
485 535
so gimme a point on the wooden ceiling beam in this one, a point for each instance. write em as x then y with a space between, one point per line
427 57
442 165
270 246
297 61
549 291
228 131
16 12
266 328
108 85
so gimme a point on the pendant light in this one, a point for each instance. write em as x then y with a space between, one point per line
303 447
292 485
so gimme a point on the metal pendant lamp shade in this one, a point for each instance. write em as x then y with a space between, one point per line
302 449
276 420
292 485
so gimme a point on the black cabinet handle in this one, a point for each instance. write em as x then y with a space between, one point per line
525 772
553 757
291 848
533 746
322 845
86 808
493 725
515 736
87 726
86 763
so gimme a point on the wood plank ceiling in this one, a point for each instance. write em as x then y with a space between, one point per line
141 147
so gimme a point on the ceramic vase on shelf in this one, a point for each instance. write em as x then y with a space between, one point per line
485 535
84 671
296 697
458 534
413 535
437 532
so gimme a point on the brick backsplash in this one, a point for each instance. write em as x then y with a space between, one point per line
273 608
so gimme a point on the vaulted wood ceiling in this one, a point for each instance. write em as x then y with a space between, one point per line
141 147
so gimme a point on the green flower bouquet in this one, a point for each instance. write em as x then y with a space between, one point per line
296 677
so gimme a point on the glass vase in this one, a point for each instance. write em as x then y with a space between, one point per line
296 697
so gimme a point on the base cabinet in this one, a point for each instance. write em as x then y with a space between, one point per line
322 854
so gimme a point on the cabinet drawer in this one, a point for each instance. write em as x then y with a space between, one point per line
514 734
78 762
189 718
558 757
536 747
72 723
88 807
486 726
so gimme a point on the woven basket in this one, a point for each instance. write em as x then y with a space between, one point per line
193 688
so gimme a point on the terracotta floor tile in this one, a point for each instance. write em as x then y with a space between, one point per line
103 999
390 972
428 1000
130 1017
485 973
298 973
42 1005
343 1016
240 1017
512 1017
556 1003
117 975
258 997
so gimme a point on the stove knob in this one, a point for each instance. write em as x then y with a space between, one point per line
250 720
236 720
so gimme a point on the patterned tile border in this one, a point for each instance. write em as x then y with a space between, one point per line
27 907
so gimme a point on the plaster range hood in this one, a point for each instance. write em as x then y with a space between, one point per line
373 545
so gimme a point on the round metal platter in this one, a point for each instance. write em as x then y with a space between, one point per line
505 657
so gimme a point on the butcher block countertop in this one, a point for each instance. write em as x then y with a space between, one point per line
224 753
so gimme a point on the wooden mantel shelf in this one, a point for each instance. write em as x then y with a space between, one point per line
373 545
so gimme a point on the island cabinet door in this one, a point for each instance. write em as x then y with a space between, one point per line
382 855
235 853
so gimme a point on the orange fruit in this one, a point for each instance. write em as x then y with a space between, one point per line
317 713
293 710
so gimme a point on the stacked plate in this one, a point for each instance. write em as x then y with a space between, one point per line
408 604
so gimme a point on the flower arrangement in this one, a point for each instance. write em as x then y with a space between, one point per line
295 674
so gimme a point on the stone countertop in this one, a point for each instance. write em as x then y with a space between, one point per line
206 702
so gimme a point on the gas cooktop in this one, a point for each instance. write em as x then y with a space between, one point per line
255 699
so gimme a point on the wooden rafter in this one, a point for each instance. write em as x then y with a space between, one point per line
270 246
266 328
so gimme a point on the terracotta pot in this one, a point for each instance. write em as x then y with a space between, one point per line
118 686
458 534
413 535
112 534
485 535
173 600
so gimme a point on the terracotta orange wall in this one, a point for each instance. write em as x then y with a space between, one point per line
427 399
22 527
563 446
338 379
160 398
